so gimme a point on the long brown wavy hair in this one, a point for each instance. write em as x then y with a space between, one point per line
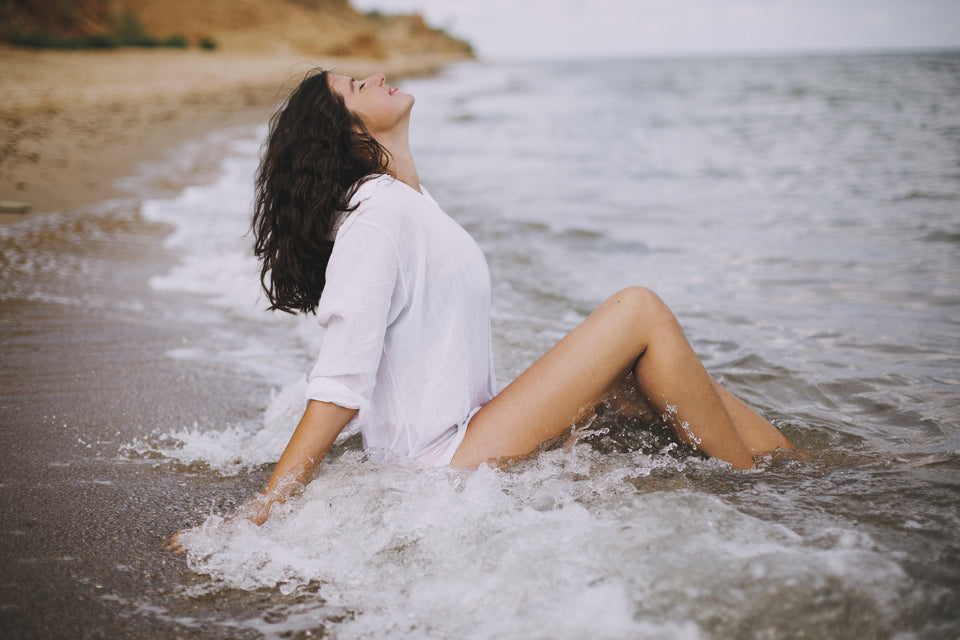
316 155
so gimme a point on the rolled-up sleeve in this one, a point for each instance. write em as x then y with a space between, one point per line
363 295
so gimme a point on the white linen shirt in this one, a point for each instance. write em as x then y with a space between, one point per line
406 313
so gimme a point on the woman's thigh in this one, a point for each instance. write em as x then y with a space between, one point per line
547 398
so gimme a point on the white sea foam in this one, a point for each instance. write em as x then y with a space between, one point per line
211 224
235 448
562 547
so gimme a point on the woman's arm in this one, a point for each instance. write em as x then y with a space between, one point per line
320 425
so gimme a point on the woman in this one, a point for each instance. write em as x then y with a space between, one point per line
344 229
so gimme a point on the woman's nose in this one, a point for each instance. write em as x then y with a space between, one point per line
377 79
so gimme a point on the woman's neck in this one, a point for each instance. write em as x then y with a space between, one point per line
400 165
403 169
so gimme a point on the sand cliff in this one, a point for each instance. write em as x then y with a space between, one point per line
71 122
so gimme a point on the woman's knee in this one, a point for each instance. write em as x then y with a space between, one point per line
642 304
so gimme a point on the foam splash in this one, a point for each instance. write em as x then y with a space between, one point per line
566 546
671 416
234 449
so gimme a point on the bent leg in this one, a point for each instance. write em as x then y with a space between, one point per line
754 430
758 435
632 330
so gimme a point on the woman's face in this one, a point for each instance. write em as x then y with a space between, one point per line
380 106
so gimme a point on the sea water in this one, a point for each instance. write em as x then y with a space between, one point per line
801 215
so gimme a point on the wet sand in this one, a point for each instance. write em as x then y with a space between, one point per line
85 343
84 530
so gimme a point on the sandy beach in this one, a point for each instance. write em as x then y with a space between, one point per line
73 122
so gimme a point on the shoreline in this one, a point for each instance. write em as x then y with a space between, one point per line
77 122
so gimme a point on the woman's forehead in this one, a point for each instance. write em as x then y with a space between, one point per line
339 82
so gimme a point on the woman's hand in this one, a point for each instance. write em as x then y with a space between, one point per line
320 425
256 509
175 544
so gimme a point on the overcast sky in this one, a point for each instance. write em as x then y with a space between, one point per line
592 28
